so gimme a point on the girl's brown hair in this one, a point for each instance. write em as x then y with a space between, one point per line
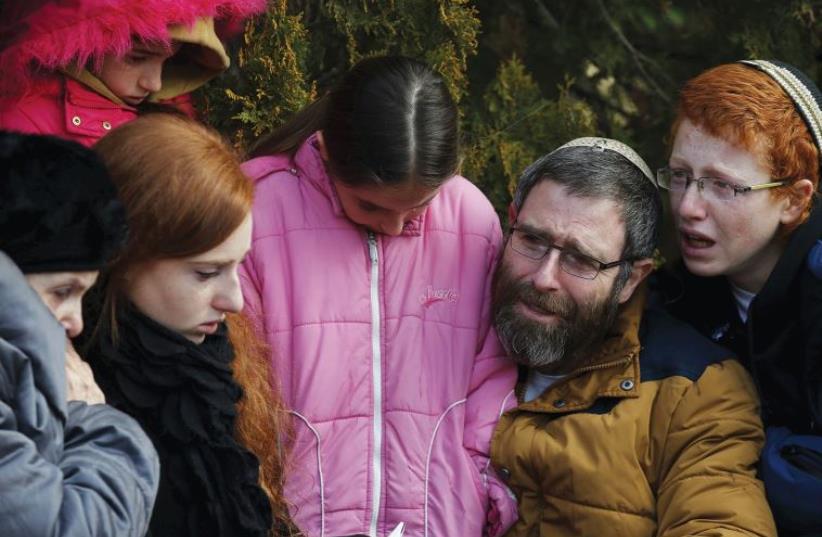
749 109
184 194
390 119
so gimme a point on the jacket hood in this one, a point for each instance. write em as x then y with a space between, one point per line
201 58
59 35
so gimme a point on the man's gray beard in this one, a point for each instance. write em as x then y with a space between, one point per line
579 331
528 342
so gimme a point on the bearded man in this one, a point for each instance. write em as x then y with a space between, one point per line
628 422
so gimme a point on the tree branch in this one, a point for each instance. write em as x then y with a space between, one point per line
545 17
638 57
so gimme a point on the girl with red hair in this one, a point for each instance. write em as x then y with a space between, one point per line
169 346
79 68
743 179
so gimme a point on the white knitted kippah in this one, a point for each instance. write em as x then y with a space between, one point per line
802 91
601 144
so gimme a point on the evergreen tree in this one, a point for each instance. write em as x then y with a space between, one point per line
528 74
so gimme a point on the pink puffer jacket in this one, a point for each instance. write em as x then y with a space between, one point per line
384 354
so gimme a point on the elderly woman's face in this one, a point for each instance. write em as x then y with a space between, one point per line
737 238
63 294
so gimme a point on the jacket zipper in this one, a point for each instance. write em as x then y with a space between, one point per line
376 460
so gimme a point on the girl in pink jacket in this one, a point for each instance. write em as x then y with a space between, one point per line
370 275
77 69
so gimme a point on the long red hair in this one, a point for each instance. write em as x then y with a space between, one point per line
749 109
184 194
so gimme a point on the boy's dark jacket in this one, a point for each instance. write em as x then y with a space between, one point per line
781 345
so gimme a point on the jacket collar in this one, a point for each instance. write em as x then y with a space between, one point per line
778 296
311 168
612 371
83 88
206 58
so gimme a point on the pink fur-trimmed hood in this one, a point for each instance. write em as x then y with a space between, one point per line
56 34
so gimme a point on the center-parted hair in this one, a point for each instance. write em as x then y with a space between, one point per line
389 120
184 194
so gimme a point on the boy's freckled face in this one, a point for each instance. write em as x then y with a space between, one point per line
138 74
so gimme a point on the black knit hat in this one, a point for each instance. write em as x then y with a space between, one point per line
59 210
803 92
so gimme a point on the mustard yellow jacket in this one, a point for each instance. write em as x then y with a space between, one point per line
660 436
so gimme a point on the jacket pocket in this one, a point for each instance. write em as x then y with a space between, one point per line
791 469
455 497
804 458
305 485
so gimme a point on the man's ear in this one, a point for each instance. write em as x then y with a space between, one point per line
639 271
795 206
512 213
321 145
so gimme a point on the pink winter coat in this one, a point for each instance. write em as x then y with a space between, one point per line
39 41
384 354
68 109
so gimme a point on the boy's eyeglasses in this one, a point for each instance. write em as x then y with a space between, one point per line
677 181
570 261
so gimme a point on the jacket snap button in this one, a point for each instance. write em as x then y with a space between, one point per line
559 403
627 385
505 474
107 125
76 121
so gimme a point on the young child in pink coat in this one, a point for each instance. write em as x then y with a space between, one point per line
79 69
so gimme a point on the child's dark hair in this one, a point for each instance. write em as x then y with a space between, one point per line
389 120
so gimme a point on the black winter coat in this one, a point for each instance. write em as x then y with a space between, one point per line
781 344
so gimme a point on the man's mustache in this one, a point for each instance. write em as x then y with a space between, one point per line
548 302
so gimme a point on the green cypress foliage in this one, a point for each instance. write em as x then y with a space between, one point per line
528 74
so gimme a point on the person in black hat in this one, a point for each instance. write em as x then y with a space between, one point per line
743 180
60 221
67 468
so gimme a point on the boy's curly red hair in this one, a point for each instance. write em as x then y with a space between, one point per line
749 109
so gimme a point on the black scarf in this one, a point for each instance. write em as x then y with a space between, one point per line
185 397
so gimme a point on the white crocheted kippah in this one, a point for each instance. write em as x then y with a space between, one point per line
802 91
601 144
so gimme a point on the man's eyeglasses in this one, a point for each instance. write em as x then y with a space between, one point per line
570 261
712 188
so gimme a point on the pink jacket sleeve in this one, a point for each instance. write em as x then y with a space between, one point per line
491 393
